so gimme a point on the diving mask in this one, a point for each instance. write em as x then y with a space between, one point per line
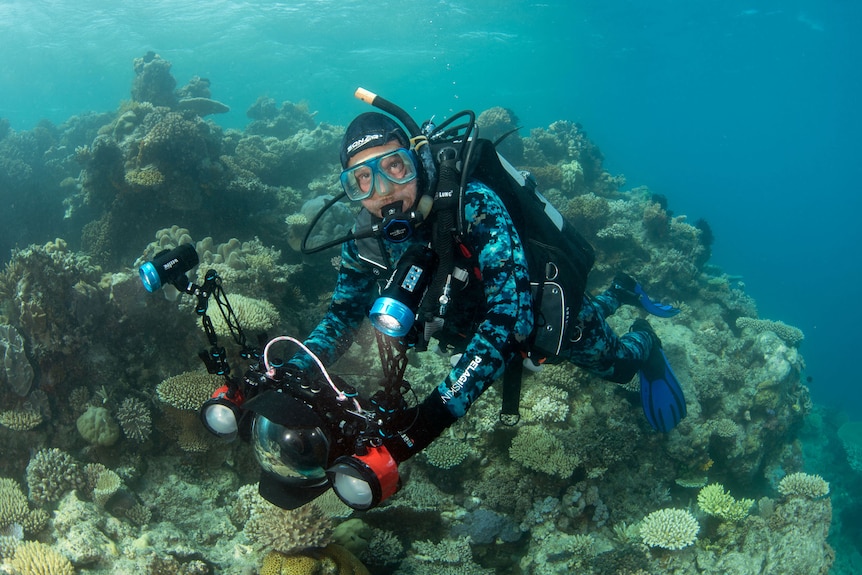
373 175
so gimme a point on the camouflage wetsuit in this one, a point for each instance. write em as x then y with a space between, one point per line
488 318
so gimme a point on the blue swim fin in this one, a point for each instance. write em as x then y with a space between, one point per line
655 308
661 394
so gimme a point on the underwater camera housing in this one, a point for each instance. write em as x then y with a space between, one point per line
309 431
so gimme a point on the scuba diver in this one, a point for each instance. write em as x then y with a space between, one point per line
450 243
489 305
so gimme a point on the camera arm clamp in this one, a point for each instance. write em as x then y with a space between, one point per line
215 358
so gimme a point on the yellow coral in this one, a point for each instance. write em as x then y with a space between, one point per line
715 501
35 558
189 390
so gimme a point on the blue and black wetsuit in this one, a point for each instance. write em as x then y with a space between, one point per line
489 319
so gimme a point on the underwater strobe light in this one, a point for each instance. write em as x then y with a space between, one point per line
366 478
168 267
221 413
394 311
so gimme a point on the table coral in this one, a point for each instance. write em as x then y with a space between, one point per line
803 485
791 335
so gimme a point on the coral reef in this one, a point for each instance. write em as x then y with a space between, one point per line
147 490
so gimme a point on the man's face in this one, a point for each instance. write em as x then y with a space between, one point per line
385 191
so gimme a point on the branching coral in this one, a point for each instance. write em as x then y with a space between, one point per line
134 418
669 529
714 500
287 530
803 485
188 391
35 558
791 335
536 448
51 473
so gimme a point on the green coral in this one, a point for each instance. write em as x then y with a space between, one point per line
98 427
714 500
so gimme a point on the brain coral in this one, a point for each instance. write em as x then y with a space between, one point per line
98 427
35 558
803 485
189 390
669 529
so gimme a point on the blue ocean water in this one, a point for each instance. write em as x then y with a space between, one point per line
742 113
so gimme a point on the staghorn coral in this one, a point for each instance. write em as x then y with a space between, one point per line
51 473
36 558
188 391
669 529
714 500
790 335
803 485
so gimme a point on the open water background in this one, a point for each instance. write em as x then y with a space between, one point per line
742 113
